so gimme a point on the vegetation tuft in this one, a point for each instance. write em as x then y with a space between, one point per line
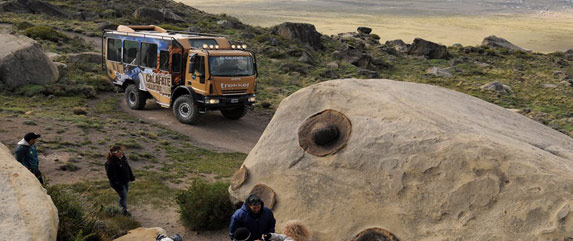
205 206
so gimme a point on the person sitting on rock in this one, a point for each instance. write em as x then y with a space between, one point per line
294 231
254 216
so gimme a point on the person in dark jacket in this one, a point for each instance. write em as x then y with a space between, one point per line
254 216
27 154
119 174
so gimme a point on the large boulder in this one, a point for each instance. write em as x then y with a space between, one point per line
22 61
304 32
399 45
410 161
497 42
428 49
26 211
141 234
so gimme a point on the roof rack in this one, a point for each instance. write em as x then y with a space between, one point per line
201 34
136 28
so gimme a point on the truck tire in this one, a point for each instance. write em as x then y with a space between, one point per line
185 110
235 113
135 98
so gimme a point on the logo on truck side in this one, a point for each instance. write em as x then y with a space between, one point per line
234 86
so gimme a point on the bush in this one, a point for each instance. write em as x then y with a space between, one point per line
45 33
205 206
71 215
30 90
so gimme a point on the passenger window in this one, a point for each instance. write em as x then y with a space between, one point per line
164 60
130 52
114 49
149 55
176 63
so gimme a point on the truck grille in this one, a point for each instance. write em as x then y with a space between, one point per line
234 92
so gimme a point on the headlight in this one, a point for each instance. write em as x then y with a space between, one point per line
244 46
212 101
205 46
233 46
252 99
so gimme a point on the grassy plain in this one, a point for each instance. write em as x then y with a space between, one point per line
542 31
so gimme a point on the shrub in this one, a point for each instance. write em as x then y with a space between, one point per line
45 33
30 90
80 111
71 215
69 167
205 206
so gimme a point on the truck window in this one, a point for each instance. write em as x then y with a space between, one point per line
176 63
114 49
149 55
164 60
130 51
231 66
198 43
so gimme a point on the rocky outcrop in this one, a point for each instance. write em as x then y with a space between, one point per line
399 45
26 211
31 6
304 32
22 61
569 54
355 57
157 15
413 162
428 49
497 42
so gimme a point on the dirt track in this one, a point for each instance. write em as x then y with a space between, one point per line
213 131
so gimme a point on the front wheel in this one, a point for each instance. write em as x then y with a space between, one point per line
135 98
235 113
185 110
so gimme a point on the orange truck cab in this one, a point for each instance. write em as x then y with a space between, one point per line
190 72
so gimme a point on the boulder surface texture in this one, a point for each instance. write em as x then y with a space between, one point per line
27 213
22 61
304 32
421 163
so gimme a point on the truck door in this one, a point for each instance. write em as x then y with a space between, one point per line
197 73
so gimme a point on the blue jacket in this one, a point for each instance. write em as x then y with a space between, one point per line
27 155
243 217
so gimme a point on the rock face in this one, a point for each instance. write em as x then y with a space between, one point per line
22 61
413 162
304 32
496 42
428 49
26 212
30 6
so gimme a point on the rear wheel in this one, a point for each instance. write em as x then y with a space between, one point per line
135 98
185 110
235 113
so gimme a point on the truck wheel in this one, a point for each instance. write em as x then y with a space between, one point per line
185 110
135 98
235 113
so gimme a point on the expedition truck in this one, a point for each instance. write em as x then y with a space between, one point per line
189 72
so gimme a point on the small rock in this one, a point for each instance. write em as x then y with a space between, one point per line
549 86
274 42
368 73
364 30
436 71
336 55
225 24
332 65
562 214
457 45
28 112
497 87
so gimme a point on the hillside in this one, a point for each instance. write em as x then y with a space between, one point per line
81 118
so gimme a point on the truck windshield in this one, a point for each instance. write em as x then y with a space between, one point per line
231 65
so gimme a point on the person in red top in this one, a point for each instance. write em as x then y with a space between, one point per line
119 175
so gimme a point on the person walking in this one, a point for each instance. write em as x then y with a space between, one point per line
27 154
119 175
294 231
254 216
